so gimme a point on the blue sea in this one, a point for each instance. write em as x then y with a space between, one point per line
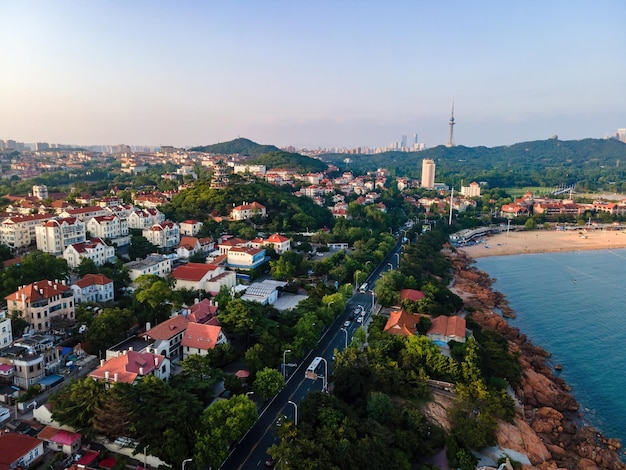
574 306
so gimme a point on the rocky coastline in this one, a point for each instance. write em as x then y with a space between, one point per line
548 427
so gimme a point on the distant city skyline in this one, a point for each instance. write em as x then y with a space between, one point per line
318 74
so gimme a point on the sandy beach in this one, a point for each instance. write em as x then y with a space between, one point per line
540 241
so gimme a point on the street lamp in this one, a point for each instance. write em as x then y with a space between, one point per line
145 456
356 279
390 266
295 407
325 381
285 360
185 461
398 259
346 332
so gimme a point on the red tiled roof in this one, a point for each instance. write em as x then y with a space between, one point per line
201 336
276 238
38 290
411 294
92 279
192 271
448 326
128 366
13 446
64 437
169 328
401 323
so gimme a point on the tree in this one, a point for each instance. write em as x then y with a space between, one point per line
140 247
268 383
379 406
109 327
221 425
75 404
530 224
86 266
155 294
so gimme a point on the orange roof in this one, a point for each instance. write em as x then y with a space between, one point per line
188 242
169 328
411 294
92 279
233 242
192 271
401 323
47 433
14 445
276 238
128 367
448 326
38 291
201 336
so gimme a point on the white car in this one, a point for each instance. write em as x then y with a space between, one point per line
346 324
359 320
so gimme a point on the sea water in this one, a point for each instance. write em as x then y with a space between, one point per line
574 306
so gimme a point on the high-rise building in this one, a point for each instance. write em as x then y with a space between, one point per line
428 173
415 139
403 145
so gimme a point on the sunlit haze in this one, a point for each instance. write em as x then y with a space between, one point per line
310 74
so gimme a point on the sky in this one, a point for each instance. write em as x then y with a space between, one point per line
311 73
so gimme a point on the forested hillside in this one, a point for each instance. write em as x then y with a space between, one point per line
294 161
239 146
593 164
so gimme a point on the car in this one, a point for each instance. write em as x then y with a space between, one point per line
346 324
269 462
359 320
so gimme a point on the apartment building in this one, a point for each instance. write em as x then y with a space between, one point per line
145 218
93 288
163 235
43 304
110 227
247 211
20 231
156 264
94 249
56 235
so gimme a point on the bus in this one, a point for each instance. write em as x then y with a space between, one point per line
311 371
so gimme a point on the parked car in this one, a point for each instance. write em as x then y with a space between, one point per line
346 324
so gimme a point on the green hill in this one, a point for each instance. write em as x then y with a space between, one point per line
295 161
238 146
591 163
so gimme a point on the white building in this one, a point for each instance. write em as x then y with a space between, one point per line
94 249
156 264
247 211
205 277
40 191
110 227
20 231
265 292
164 235
6 331
190 228
472 190
93 288
279 243
56 235
428 173
199 339
145 218
85 213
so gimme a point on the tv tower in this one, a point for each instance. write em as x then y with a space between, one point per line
451 124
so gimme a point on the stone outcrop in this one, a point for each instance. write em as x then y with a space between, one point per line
548 428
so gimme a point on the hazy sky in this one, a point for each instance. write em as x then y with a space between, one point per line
312 72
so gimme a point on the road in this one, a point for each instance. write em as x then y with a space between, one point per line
251 452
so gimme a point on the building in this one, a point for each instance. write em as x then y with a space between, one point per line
19 451
247 211
189 246
132 366
199 339
110 227
43 304
246 258
60 440
156 264
56 235
279 243
447 329
190 227
40 191
167 337
20 231
93 288
164 235
266 292
473 190
204 277
428 173
94 249
6 330
85 213
145 218
401 322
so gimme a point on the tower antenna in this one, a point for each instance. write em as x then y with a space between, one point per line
451 124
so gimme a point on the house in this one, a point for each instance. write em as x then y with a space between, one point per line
201 311
447 329
93 288
19 451
226 244
43 303
60 440
167 337
189 246
247 211
199 339
95 249
164 235
56 235
190 227
145 218
154 263
246 258
84 213
279 243
401 322
110 227
6 330
413 295
131 367
266 292
205 277
19 231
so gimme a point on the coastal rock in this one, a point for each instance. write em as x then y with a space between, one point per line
539 391
587 464
547 420
521 438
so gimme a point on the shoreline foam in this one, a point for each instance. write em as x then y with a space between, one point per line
546 241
